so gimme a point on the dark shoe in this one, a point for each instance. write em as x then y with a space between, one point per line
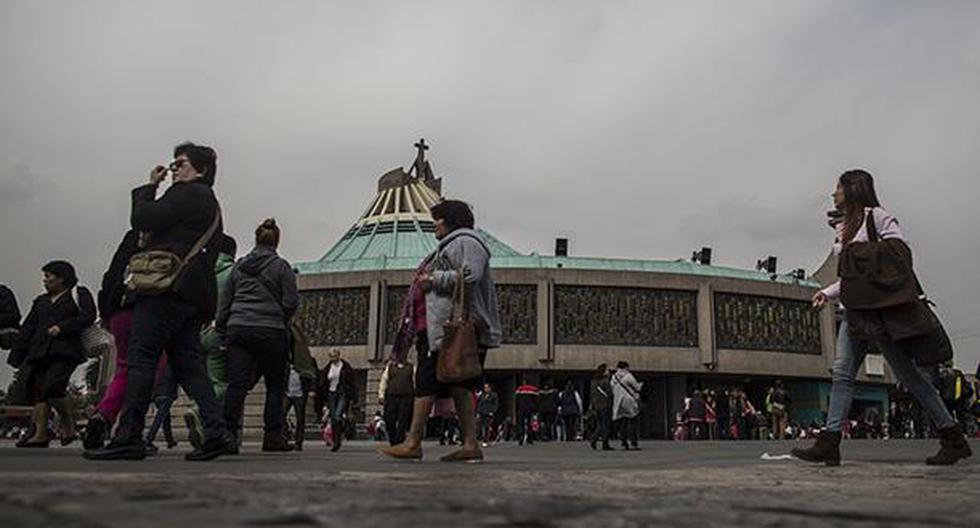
171 444
117 451
826 449
95 432
625 446
952 447
68 440
193 430
151 450
212 449
592 444
275 443
298 447
31 444
607 447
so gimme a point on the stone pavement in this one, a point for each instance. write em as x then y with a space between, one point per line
881 483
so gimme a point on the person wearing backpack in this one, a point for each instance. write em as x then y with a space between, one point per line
253 321
868 228
49 346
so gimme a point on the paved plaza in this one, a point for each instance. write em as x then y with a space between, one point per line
881 483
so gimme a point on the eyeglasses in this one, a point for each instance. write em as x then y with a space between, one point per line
177 164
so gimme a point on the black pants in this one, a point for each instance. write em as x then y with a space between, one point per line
629 430
548 426
261 350
603 422
398 417
159 323
571 426
524 431
299 405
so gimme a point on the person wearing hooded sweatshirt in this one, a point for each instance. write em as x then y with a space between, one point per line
253 320
217 359
49 345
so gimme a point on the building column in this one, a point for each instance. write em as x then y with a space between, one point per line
706 326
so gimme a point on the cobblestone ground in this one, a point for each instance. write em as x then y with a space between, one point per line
881 483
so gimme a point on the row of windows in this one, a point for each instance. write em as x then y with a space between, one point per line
589 315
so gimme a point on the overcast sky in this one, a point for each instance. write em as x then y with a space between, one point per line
640 129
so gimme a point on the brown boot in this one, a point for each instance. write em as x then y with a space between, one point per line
826 449
402 452
952 447
40 419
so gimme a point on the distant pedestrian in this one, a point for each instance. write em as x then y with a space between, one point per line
487 406
570 409
253 321
626 405
338 394
49 347
697 417
548 411
600 407
526 402
396 391
779 402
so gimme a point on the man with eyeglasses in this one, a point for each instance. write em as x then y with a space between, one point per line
172 320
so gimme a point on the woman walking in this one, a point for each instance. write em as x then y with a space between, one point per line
461 256
338 393
253 319
49 346
116 314
626 405
886 327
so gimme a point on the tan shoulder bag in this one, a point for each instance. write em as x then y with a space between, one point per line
155 272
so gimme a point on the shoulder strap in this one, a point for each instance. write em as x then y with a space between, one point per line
206 237
872 226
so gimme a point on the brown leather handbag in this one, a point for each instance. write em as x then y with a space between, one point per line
459 358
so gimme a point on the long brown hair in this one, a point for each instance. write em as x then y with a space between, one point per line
859 192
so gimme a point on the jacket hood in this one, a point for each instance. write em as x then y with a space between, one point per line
223 263
459 232
257 260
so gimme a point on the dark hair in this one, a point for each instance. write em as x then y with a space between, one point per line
859 192
600 370
455 213
63 269
267 234
227 245
623 365
202 158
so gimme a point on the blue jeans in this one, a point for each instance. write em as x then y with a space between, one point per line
850 355
166 323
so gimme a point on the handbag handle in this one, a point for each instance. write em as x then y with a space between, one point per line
459 298
873 236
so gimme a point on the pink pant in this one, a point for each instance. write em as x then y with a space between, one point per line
115 393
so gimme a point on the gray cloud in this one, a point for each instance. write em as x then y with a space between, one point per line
641 129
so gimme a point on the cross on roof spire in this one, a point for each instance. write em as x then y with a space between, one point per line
420 166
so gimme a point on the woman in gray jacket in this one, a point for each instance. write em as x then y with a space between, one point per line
461 255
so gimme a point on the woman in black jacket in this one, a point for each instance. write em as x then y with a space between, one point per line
337 391
49 346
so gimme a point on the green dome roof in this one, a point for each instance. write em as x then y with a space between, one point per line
396 231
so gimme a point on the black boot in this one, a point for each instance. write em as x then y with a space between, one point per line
952 447
95 432
274 442
826 449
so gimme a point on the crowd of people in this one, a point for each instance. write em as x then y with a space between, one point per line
183 312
